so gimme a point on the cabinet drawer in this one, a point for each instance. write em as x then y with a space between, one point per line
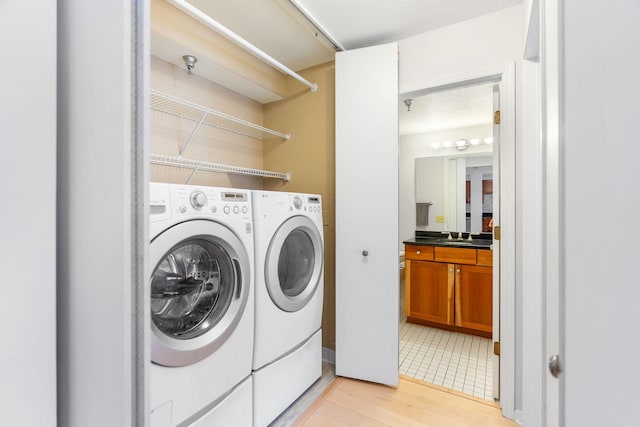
485 257
421 253
455 255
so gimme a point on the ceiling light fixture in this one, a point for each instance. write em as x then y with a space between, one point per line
408 102
447 144
474 141
488 140
189 62
435 145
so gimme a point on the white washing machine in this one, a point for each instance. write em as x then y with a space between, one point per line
289 247
202 305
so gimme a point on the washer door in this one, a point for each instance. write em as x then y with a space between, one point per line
293 265
199 290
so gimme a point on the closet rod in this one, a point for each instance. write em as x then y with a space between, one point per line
188 8
196 165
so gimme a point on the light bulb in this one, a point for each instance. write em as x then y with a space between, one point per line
447 144
461 142
488 140
435 145
475 141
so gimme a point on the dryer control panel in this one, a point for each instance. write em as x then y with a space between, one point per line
272 203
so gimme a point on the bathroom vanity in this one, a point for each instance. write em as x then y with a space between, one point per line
449 281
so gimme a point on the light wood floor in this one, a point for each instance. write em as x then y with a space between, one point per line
348 402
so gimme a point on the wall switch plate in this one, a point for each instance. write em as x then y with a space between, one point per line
440 219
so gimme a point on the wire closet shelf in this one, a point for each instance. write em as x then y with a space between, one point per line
197 165
202 115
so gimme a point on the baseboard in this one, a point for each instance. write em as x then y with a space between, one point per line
329 355
519 417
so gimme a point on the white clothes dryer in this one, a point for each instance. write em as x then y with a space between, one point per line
202 305
289 247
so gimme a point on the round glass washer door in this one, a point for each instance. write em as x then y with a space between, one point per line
294 263
199 290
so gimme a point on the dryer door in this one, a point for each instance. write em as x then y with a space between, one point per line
199 290
294 262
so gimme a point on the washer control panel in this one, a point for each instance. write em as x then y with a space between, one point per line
213 201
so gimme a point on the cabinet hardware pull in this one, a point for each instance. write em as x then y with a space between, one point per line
417 252
365 253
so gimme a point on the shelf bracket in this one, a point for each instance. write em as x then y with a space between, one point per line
193 132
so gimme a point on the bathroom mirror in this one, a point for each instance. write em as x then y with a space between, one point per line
457 192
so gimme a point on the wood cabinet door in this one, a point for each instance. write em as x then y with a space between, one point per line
474 297
431 291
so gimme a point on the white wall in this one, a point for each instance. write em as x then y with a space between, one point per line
600 114
480 42
476 44
28 226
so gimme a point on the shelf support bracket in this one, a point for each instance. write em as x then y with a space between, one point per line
193 132
196 169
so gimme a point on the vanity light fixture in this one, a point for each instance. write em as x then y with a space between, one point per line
460 144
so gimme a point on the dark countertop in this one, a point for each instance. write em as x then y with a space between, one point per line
474 244
431 238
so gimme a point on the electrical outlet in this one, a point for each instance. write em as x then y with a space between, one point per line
440 219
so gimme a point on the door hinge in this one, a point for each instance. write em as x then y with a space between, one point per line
496 348
496 117
496 232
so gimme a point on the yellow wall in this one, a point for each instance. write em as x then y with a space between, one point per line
310 156
168 133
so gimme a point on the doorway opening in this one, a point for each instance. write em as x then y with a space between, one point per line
448 163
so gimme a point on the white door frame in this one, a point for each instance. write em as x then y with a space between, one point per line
102 213
551 70
505 73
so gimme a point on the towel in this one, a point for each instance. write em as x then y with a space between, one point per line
422 214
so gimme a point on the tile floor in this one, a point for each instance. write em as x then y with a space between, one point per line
454 360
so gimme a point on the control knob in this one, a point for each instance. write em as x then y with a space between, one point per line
297 202
198 199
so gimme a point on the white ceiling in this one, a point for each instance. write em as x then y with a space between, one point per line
451 109
360 23
278 28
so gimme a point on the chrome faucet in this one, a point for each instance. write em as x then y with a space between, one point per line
459 235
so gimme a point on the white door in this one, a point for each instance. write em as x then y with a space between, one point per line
367 282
